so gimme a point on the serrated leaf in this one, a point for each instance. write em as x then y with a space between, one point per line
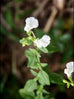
43 78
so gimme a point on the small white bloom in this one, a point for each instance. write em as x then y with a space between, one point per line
43 42
38 43
26 28
31 23
46 37
69 69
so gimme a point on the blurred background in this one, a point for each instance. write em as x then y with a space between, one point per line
55 19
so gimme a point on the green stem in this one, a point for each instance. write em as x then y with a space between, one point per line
39 65
33 34
36 78
39 91
29 33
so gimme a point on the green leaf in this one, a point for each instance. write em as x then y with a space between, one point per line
56 78
43 49
44 64
25 41
8 34
26 13
39 33
2 84
8 17
36 52
46 69
67 55
65 38
50 96
43 78
32 59
59 24
52 48
44 91
19 0
65 81
72 84
30 85
33 72
68 85
27 92
55 40
26 95
39 96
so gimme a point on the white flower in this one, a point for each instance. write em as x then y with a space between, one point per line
69 69
26 28
46 37
31 23
38 43
43 42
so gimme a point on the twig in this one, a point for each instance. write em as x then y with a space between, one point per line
58 6
50 20
70 3
68 10
39 10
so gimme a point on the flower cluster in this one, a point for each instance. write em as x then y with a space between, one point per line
43 42
31 23
69 69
